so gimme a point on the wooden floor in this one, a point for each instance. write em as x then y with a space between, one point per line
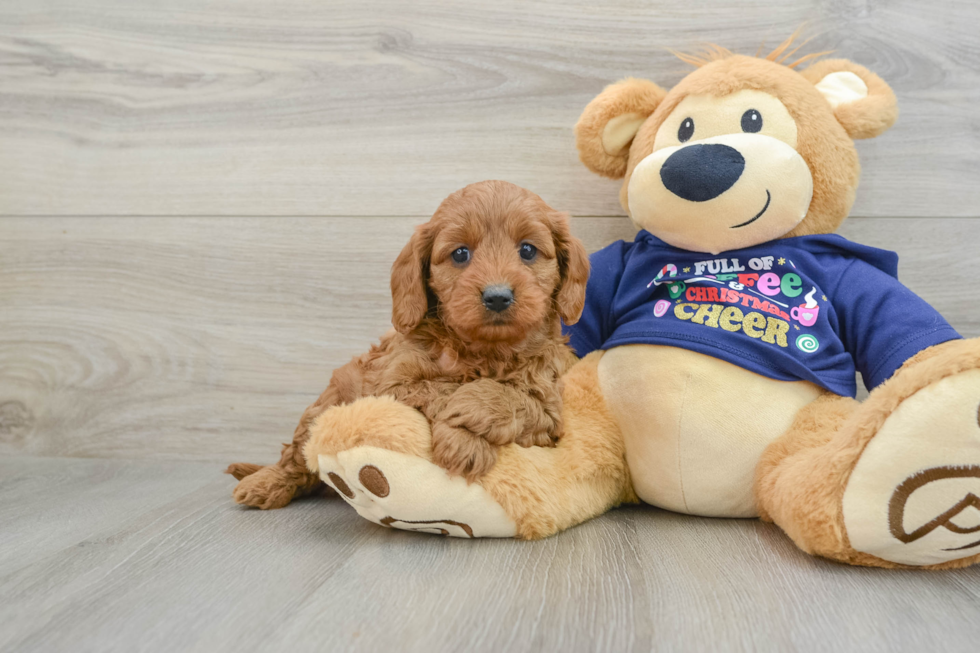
100 555
199 205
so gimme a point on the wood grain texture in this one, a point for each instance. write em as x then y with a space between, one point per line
182 338
354 107
141 354
178 567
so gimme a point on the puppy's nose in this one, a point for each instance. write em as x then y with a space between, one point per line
498 298
699 173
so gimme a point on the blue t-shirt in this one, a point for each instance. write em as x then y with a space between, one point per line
811 308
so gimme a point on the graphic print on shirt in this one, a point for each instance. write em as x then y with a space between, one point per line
760 299
808 308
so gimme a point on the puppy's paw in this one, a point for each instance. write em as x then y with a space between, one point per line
484 408
267 489
537 439
461 452
241 470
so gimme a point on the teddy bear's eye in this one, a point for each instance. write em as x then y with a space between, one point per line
687 130
751 121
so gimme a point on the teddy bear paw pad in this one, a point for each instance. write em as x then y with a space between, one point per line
398 490
914 495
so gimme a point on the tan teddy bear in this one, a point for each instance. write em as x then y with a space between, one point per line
720 347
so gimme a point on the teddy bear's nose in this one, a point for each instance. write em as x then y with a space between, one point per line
699 173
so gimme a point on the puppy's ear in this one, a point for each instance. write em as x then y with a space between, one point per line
607 126
863 103
409 274
573 265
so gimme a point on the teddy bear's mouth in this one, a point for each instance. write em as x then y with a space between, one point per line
757 215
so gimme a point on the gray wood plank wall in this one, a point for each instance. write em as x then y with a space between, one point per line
367 107
206 337
128 332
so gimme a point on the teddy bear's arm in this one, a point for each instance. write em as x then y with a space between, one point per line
883 323
598 321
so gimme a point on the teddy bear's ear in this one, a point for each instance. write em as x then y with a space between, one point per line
607 126
863 103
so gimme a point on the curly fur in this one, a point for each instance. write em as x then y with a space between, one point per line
482 379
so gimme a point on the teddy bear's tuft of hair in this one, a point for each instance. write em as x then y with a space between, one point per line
781 54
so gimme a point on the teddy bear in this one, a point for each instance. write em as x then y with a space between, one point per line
719 349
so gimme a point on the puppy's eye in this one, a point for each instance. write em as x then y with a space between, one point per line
460 256
751 121
528 252
687 130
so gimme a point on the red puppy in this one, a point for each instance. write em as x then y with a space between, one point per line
477 348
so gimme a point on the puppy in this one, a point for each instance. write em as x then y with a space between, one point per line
477 347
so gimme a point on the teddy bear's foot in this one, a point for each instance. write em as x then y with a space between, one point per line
403 491
890 482
913 497
376 453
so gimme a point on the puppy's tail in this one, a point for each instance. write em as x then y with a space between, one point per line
241 470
